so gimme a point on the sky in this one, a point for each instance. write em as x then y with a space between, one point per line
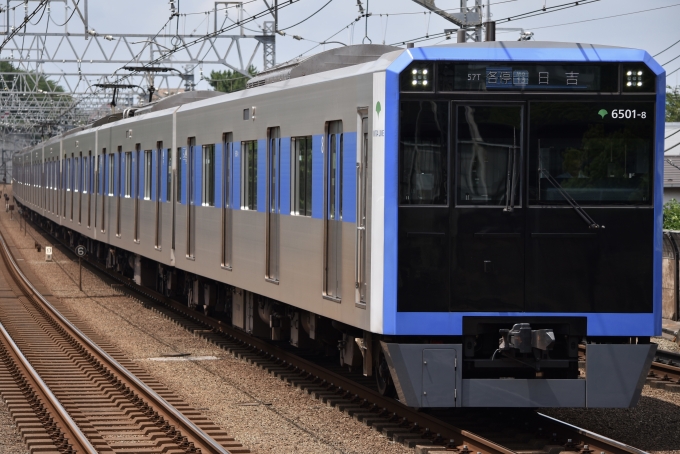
650 25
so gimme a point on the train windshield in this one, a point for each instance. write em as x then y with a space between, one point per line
598 153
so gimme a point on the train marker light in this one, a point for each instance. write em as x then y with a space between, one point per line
602 113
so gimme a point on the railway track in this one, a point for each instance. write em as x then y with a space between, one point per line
460 430
69 395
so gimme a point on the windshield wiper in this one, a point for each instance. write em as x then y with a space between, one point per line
581 212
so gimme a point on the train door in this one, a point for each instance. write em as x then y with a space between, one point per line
333 210
191 208
488 217
273 203
362 190
157 188
118 186
227 181
138 191
81 186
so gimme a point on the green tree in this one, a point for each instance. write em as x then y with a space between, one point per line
673 104
671 215
229 81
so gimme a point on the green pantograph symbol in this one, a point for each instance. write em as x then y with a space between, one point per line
602 113
378 108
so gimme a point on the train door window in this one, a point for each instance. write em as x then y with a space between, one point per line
227 181
301 170
168 181
128 175
333 211
179 175
249 177
137 190
119 189
111 174
148 168
191 208
208 183
273 203
361 233
157 194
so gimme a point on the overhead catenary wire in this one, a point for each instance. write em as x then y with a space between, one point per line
69 18
606 17
308 17
42 5
659 53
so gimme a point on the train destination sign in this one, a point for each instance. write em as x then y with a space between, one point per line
527 77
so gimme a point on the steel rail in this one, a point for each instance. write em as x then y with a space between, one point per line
201 439
68 426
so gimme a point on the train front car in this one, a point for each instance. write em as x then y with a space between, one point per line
523 210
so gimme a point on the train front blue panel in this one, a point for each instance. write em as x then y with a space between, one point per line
599 323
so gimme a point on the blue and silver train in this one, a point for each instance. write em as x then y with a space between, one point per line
453 220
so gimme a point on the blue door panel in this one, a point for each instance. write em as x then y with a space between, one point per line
317 177
123 168
198 174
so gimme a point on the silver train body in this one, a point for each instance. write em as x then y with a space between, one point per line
175 195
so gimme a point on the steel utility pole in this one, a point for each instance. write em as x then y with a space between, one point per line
468 19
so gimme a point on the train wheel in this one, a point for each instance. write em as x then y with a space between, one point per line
383 378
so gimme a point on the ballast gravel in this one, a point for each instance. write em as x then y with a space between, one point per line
10 440
665 344
260 411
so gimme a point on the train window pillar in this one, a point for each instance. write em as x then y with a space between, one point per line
301 171
227 181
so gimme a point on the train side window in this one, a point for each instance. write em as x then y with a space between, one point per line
249 178
67 172
301 170
168 183
86 173
128 175
208 183
147 174
179 174
423 154
111 173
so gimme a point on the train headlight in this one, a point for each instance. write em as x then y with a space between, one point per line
638 78
417 77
